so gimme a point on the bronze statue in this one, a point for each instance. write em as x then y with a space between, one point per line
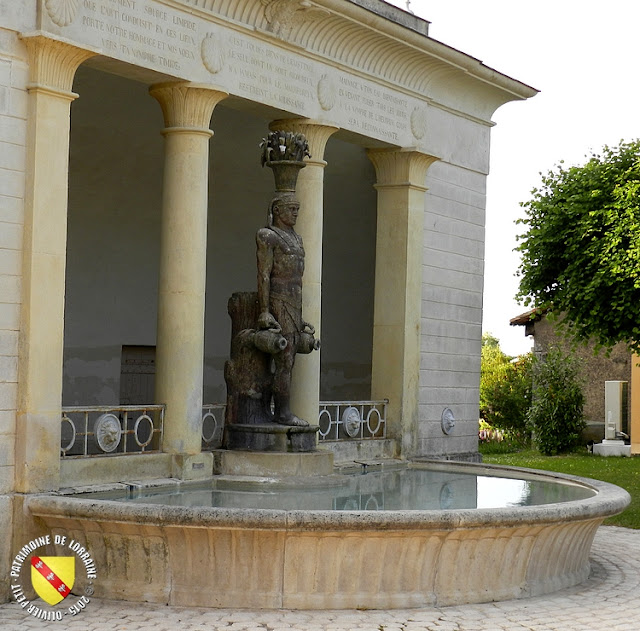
269 329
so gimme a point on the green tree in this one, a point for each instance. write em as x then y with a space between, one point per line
493 367
505 388
581 249
555 416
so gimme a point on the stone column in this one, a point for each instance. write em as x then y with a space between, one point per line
52 66
187 110
305 384
398 286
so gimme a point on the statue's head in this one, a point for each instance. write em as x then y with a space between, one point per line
284 208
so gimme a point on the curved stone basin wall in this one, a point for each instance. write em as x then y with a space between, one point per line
219 557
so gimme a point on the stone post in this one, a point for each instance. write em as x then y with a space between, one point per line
52 66
305 384
398 286
187 110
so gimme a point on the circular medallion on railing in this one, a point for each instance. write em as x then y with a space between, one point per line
73 435
108 432
324 422
143 417
351 421
372 412
447 421
205 418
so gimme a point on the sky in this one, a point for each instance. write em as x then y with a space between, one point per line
583 56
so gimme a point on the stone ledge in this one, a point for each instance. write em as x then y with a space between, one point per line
272 464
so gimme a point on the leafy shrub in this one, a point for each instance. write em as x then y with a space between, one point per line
505 389
556 416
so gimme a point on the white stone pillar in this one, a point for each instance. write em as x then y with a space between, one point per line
398 287
187 110
52 66
305 384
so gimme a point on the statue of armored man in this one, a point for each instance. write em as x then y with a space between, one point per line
267 328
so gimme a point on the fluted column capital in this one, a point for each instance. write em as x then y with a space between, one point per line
400 167
53 64
187 105
316 133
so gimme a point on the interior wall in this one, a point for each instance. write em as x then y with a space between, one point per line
349 256
113 232
115 199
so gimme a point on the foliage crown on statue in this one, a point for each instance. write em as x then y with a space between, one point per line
284 153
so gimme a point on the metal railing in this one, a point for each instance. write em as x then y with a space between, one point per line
128 429
111 430
352 420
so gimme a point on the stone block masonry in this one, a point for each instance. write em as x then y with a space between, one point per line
13 113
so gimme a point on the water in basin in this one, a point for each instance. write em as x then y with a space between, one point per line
391 490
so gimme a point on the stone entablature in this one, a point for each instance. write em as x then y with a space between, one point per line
333 61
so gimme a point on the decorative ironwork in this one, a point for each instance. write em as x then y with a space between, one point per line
110 431
352 420
136 427
212 425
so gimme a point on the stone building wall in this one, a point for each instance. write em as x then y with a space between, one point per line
453 267
13 130
595 368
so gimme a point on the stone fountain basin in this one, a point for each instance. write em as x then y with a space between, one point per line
323 559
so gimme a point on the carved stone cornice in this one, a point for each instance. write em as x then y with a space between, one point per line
363 41
316 133
53 63
186 105
406 168
287 16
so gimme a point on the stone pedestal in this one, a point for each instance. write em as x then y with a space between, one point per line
612 448
271 437
304 467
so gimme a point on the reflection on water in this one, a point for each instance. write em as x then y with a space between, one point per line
404 489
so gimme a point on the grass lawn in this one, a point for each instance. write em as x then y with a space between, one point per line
624 472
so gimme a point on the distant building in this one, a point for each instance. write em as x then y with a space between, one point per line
617 365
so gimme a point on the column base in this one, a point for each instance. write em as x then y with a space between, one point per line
192 467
